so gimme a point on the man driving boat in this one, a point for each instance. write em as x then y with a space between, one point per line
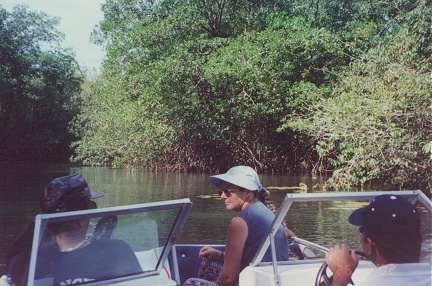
390 237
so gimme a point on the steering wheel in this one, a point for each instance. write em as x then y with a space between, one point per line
323 279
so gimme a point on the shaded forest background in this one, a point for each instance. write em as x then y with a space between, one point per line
333 87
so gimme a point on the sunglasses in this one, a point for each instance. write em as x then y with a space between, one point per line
227 192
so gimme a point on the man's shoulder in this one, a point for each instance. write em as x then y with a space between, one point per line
405 268
394 274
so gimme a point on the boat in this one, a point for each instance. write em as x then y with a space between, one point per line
151 229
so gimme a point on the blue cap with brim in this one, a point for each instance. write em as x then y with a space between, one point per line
242 176
387 215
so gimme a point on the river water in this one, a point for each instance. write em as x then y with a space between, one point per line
324 223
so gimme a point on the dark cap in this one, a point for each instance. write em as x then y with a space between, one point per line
387 216
68 193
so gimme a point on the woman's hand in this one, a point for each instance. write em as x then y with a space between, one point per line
208 252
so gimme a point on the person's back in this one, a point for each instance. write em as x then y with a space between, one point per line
412 274
99 260
259 218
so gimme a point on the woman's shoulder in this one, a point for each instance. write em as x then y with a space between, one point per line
255 208
237 223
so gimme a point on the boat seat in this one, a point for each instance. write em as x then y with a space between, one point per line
189 261
148 261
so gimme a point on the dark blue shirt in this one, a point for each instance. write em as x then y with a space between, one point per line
258 219
100 260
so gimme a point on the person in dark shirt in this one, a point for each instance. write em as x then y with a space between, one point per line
90 261
65 256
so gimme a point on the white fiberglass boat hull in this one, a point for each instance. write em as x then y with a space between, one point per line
295 274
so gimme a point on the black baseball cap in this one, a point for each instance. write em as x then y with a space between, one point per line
388 216
68 193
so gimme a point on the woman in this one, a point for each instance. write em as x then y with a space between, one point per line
242 192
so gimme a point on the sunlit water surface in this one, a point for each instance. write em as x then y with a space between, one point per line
324 223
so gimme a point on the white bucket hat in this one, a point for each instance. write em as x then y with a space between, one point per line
242 176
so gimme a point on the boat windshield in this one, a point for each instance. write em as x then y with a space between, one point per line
104 245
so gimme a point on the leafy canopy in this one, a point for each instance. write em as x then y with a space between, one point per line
280 86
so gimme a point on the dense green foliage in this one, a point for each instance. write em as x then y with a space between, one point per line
376 124
323 85
36 87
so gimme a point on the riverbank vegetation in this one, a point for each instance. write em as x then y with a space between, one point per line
336 87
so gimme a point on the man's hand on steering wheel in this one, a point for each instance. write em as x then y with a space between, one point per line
342 263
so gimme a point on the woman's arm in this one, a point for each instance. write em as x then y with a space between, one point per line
236 238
